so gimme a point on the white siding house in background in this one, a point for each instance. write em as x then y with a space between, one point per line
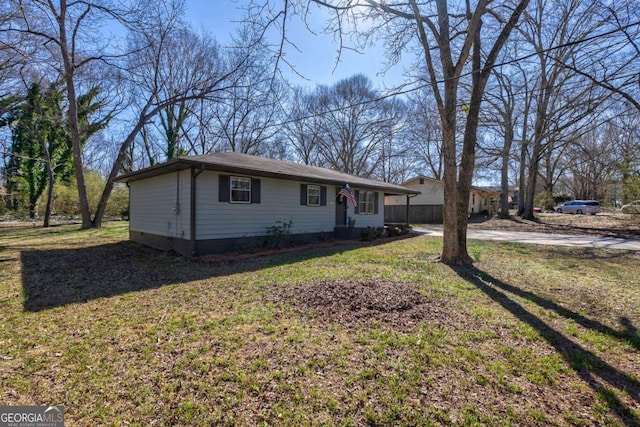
426 207
206 204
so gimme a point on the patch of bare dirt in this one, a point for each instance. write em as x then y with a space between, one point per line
353 302
607 223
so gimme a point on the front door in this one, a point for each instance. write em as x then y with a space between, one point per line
341 209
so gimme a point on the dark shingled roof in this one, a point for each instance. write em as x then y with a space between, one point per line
260 166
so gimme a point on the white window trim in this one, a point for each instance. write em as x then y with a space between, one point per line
362 202
231 189
309 195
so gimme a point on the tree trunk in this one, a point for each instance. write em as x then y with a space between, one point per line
51 176
468 158
450 242
456 191
72 117
115 169
504 171
524 151
452 250
532 182
532 170
522 184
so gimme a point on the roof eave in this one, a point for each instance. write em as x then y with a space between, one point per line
185 163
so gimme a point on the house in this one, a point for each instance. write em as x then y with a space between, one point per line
215 203
426 207
513 195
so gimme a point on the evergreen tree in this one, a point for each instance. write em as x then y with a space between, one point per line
37 141
41 150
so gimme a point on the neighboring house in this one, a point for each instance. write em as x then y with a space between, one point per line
513 194
214 203
427 206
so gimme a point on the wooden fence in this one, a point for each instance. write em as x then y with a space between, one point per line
418 214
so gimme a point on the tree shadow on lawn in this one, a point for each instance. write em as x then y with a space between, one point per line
588 253
594 371
54 278
629 334
621 233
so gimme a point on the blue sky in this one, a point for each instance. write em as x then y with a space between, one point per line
317 56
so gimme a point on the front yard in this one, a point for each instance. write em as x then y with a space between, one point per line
344 334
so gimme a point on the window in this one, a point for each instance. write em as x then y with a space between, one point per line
313 195
233 189
421 181
240 190
367 202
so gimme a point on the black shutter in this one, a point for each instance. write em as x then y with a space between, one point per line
255 190
223 188
323 195
356 209
375 203
303 194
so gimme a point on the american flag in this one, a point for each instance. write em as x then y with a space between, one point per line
346 192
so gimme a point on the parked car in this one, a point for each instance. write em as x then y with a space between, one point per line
579 207
632 208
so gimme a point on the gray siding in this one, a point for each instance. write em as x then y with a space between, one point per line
161 205
369 220
280 200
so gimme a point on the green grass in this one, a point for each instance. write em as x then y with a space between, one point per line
123 334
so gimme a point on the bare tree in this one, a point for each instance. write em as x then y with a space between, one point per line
302 127
61 40
64 40
624 130
555 93
561 33
397 162
354 123
248 112
451 39
349 127
615 56
151 68
503 116
590 165
162 69
425 131
396 155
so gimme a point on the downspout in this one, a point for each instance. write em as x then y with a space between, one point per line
129 208
192 214
409 197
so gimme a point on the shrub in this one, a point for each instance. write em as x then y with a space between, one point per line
277 234
393 231
369 234
545 200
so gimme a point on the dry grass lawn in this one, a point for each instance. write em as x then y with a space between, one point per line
343 334
612 223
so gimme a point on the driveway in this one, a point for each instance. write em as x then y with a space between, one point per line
540 238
